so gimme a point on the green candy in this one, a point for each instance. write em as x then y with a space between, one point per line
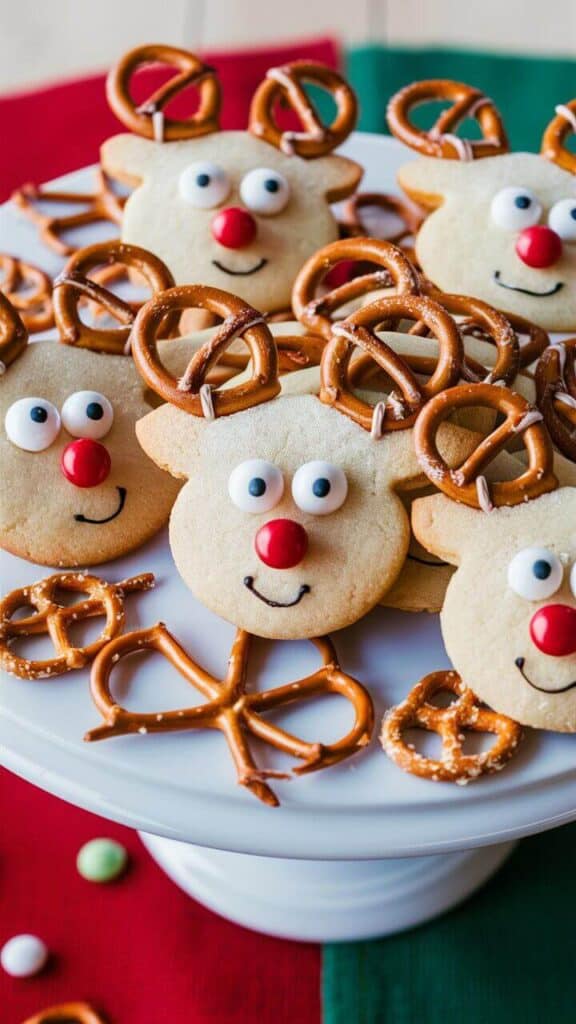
101 860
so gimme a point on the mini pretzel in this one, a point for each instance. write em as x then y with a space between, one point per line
528 351
102 205
466 483
67 1013
440 140
191 393
29 289
463 714
407 213
143 119
55 619
73 284
554 139
358 330
555 379
231 709
13 334
285 85
315 313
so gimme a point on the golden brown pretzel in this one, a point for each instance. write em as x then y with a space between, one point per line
233 710
464 714
404 211
555 380
285 85
73 284
29 289
192 393
316 312
466 483
67 1013
359 330
13 334
528 351
55 619
440 140
142 119
553 145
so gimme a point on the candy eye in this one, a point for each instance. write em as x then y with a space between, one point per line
32 424
535 574
87 414
515 208
319 488
256 486
264 191
562 219
204 184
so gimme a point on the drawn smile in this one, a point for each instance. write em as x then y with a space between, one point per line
240 273
527 291
303 589
425 561
81 518
519 662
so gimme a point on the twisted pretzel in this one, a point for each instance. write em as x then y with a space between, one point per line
463 714
410 217
316 313
466 483
528 351
553 145
13 334
397 413
555 380
191 393
231 709
67 1013
55 619
29 289
285 85
148 118
440 140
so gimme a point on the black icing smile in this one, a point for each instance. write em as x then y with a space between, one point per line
303 589
424 561
526 291
81 518
519 662
240 273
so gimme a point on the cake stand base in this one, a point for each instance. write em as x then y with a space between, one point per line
325 901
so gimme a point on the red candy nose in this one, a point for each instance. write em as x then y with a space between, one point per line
85 463
281 543
234 227
553 630
539 246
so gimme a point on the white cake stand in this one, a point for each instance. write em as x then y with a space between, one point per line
356 851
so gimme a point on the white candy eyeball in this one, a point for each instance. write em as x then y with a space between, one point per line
515 208
573 579
32 424
23 956
264 191
562 219
535 574
87 414
256 486
204 184
319 487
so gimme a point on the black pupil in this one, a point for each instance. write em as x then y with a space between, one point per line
541 569
257 486
94 411
321 487
522 202
573 213
38 414
271 185
203 180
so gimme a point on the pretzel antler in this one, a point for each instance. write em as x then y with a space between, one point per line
555 379
553 145
286 84
410 217
67 1013
13 334
440 140
29 289
148 119
466 483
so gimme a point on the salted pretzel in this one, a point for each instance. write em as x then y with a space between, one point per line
55 619
148 118
101 205
555 380
13 334
529 350
466 483
67 1013
191 392
464 714
231 709
315 312
410 217
73 284
358 330
285 85
440 140
29 289
553 145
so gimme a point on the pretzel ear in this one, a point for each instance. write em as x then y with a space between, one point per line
429 182
444 527
171 438
130 158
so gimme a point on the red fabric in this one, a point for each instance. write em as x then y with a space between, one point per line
53 130
138 949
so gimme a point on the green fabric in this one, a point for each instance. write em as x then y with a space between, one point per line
506 955
526 89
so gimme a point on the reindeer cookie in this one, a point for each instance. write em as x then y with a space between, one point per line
239 210
503 225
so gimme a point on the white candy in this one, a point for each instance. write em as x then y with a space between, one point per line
264 191
256 486
562 219
535 573
319 487
204 184
514 208
87 414
23 955
32 424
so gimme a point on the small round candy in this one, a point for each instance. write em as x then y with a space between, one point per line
204 184
515 208
256 486
101 860
264 191
535 573
87 414
32 424
23 955
319 487
562 219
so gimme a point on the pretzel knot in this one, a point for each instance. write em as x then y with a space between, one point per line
231 709
440 140
13 334
67 1013
464 714
29 289
554 146
51 617
555 379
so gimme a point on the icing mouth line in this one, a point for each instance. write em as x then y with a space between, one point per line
519 662
527 291
303 589
81 518
424 561
240 273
